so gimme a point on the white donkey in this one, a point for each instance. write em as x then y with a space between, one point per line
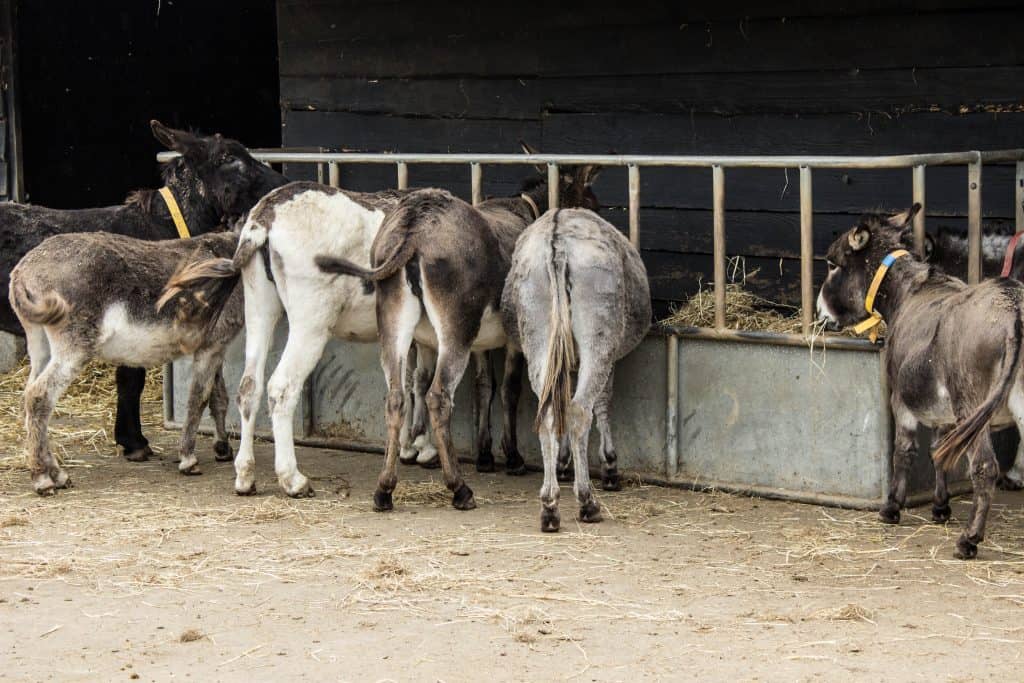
577 290
288 227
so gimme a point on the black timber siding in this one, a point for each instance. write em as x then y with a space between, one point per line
861 77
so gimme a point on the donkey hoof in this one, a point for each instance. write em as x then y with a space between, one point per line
191 470
303 489
463 499
428 458
965 549
138 454
1005 483
61 480
550 521
382 501
611 481
485 462
889 514
515 466
43 485
407 456
941 514
223 452
243 490
590 512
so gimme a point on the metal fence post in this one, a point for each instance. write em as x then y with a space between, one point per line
718 242
672 406
476 182
806 250
1019 197
919 194
974 220
403 175
553 186
634 205
334 174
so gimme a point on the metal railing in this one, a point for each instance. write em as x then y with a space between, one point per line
718 164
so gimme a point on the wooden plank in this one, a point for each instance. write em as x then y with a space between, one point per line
892 91
420 48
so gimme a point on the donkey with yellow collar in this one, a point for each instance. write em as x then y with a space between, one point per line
953 357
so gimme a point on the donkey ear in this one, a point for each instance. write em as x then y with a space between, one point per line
177 140
859 238
586 175
902 219
530 149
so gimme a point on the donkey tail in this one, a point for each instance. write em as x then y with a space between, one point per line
392 264
556 393
964 434
203 287
50 309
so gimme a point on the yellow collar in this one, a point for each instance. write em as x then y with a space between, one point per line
533 205
871 323
172 206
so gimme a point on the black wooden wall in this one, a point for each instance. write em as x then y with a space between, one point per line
779 77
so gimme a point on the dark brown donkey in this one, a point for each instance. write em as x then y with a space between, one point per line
214 180
439 266
953 357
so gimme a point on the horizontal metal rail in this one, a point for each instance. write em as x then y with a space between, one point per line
696 161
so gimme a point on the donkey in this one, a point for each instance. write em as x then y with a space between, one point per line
577 290
953 356
439 267
95 295
287 227
214 179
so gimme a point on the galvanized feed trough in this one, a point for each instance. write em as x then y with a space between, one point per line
750 412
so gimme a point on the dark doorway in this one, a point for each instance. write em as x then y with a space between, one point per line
92 75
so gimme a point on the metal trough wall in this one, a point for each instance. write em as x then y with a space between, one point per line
753 412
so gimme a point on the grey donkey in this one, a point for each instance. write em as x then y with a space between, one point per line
439 266
94 295
576 298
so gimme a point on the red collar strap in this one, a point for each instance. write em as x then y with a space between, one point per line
1008 259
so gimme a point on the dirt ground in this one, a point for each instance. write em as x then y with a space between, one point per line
139 573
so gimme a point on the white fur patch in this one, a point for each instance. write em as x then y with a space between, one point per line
122 341
824 312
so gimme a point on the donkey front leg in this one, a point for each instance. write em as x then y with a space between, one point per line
984 472
483 396
128 421
941 512
41 395
219 411
511 389
903 453
611 480
204 373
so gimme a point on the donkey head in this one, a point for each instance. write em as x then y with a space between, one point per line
852 261
220 170
574 183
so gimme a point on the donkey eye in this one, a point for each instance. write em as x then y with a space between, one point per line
831 266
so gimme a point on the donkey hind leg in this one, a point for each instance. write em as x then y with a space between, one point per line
451 365
399 315
941 512
301 353
219 410
903 453
550 518
204 375
41 395
426 364
1013 478
128 421
483 396
511 389
984 472
611 480
262 311
590 385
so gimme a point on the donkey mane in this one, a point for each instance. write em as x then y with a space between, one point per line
143 198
